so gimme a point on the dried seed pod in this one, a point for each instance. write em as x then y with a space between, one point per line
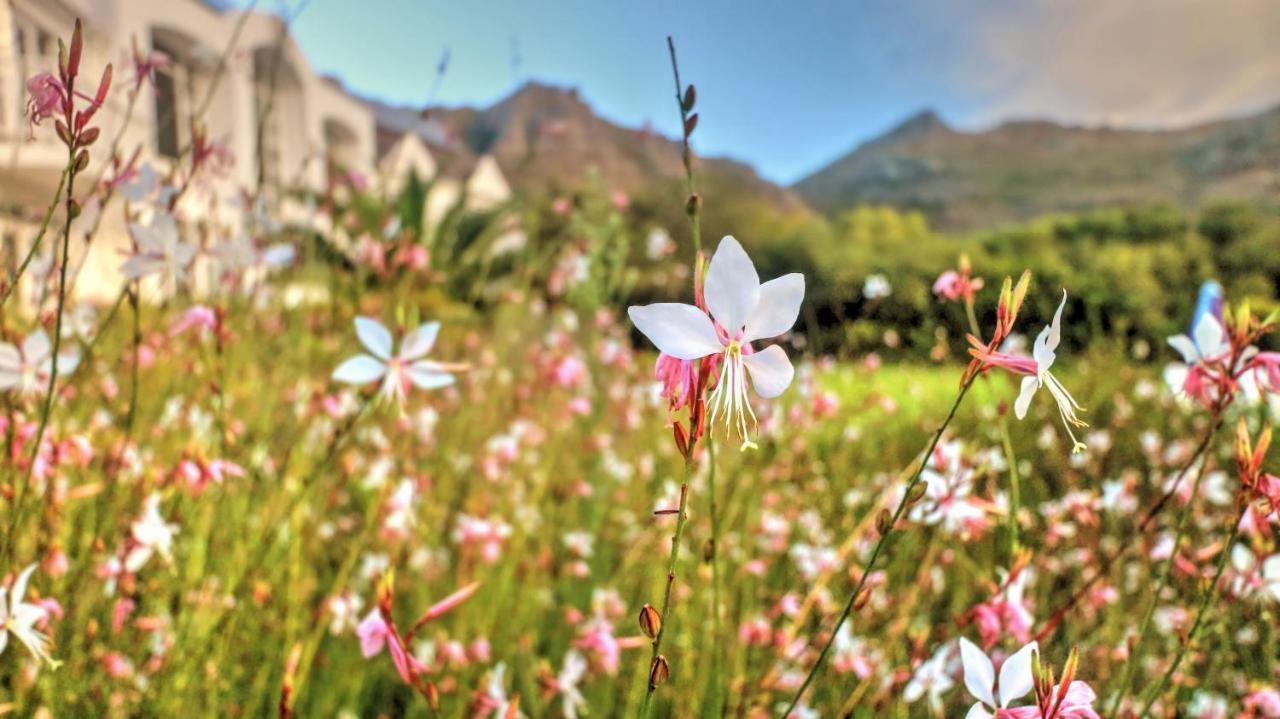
650 621
884 521
659 672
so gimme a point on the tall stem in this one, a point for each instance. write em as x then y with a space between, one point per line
681 516
1166 572
694 206
12 284
47 408
1015 487
715 574
880 544
1209 595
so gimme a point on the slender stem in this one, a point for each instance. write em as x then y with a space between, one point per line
1015 487
35 244
681 517
1166 572
715 574
1210 593
880 544
694 206
1150 516
47 408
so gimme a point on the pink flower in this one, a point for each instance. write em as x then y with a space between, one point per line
197 317
1264 703
48 96
598 639
952 285
145 66
373 633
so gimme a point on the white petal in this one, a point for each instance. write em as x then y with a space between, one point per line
68 362
682 331
20 586
374 337
425 376
1185 347
10 359
771 371
4 640
1055 327
1242 560
1210 337
979 675
359 370
1029 387
732 286
420 341
777 309
1042 352
36 347
1015 674
977 711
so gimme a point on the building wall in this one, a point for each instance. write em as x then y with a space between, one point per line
312 125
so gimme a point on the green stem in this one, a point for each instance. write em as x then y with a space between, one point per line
47 408
880 544
1209 596
35 244
715 576
681 517
1166 572
1015 488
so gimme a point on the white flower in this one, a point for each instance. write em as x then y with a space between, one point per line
397 371
575 668
152 534
27 369
1044 354
980 678
1254 576
743 311
143 184
19 618
160 250
931 680
1210 343
876 287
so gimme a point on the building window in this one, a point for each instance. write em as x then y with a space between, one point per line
170 91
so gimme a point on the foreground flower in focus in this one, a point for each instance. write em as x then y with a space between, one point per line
980 679
741 311
20 618
1036 368
396 370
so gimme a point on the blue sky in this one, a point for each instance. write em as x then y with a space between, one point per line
788 86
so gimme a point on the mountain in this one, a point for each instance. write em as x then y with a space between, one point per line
546 138
1026 168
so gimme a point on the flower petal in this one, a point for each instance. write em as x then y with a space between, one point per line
359 370
732 287
420 341
1185 347
977 711
771 371
19 589
1209 336
1029 387
425 375
36 347
682 331
777 308
374 337
1015 674
979 675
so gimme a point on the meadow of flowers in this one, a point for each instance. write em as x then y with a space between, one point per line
342 482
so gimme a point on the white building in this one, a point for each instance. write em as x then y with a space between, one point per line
286 126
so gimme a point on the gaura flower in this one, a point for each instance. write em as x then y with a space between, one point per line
1036 369
396 370
160 250
152 535
47 95
27 369
741 311
980 679
20 618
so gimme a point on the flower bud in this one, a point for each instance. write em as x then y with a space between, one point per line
884 522
659 672
863 597
917 492
690 124
650 621
690 97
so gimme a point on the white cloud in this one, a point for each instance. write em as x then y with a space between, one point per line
1154 63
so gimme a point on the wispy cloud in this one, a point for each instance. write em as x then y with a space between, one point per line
1124 62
